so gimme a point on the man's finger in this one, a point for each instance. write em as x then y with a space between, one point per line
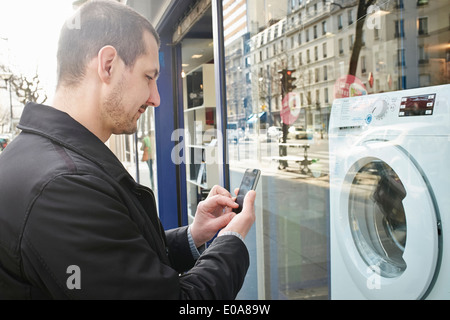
218 190
218 200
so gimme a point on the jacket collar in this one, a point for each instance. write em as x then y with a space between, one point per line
61 128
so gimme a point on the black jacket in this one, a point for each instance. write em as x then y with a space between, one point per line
66 200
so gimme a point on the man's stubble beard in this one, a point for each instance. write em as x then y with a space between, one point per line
113 108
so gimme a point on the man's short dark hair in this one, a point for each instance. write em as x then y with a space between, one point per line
100 23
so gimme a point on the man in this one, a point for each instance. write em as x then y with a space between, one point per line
73 223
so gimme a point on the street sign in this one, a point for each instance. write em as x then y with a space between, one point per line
290 109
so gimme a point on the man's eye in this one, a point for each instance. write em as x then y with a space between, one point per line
148 77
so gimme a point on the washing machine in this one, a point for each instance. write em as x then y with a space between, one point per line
389 198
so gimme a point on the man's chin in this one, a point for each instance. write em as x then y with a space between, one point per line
127 131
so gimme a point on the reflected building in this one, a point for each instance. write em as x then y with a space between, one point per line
399 48
242 20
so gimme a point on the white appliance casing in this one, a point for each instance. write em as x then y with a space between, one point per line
417 148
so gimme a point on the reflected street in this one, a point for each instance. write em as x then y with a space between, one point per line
288 244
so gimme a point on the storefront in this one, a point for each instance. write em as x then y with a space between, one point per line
254 67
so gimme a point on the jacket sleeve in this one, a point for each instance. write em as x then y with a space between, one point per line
179 251
78 222
219 272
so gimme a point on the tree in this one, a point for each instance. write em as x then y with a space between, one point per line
363 5
26 89
361 14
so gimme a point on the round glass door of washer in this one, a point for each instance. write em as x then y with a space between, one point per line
387 222
377 218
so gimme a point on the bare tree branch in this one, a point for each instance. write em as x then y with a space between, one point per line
27 90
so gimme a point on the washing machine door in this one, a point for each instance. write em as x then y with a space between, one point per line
389 219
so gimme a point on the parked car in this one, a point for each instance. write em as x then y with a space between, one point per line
297 133
274 133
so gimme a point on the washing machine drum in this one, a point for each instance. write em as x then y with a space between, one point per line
387 222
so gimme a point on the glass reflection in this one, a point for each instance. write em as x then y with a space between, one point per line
332 50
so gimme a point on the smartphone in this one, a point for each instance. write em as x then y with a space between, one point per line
249 182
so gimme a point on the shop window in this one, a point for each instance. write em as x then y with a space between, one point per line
407 53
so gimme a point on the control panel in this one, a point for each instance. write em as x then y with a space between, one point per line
422 105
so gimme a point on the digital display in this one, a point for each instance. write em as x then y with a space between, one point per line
422 105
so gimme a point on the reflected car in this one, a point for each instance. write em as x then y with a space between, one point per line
274 133
297 133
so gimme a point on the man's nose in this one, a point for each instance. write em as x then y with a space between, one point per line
154 99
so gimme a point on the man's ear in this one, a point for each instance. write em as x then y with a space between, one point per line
107 58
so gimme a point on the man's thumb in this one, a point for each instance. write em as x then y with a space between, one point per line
249 201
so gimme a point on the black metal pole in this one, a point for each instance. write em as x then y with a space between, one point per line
221 98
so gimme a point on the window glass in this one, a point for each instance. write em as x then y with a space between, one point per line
146 150
281 100
200 137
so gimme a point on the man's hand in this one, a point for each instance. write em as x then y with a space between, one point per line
243 221
215 213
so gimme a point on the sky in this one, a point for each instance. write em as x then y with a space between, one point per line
31 28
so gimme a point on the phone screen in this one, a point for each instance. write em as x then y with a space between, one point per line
249 182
